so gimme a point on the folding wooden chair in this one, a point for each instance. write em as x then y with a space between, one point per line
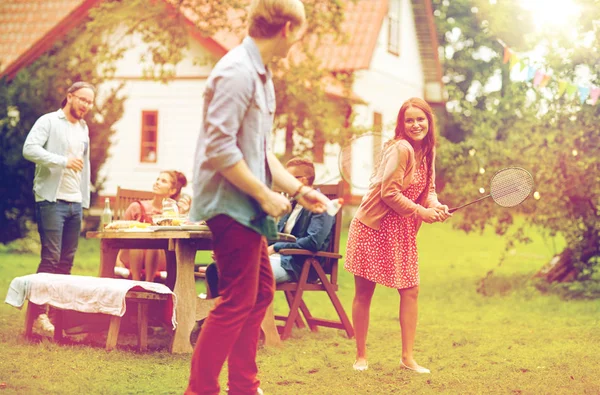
327 275
127 196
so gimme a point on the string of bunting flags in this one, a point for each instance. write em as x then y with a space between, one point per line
541 79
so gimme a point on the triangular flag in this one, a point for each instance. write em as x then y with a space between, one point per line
571 89
522 65
507 54
513 60
539 76
530 73
594 95
562 85
544 81
584 92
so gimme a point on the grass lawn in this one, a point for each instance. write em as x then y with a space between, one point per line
512 341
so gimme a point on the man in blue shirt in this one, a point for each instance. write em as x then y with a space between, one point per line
58 144
233 174
312 231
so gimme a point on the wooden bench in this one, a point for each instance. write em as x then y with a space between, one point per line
141 298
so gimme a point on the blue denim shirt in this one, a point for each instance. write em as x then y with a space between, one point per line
313 232
239 106
46 145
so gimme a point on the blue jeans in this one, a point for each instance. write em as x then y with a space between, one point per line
281 275
59 225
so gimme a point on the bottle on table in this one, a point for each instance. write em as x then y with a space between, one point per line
106 214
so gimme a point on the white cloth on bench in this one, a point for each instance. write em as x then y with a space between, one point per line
81 293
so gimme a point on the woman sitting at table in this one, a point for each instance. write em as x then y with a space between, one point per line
168 184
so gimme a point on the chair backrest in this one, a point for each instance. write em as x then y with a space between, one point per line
333 191
127 196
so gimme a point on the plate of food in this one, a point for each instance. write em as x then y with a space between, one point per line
194 226
157 228
130 226
145 229
168 221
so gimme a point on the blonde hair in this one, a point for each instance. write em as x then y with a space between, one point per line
268 17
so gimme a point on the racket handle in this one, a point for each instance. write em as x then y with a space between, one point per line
468 204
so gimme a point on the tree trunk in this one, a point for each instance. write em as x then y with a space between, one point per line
289 139
562 267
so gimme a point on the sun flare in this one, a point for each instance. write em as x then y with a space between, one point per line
552 13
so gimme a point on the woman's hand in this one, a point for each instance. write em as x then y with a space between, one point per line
429 215
443 212
184 204
312 200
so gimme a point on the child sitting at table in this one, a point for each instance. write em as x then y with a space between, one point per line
168 184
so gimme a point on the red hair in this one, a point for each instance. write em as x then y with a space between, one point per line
430 139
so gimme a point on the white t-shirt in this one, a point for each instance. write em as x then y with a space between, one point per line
70 183
289 225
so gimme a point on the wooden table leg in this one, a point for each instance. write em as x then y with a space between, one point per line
113 332
185 291
108 258
142 326
29 318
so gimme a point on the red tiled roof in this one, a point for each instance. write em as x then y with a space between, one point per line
30 27
361 26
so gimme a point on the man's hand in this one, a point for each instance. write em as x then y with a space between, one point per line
313 200
271 250
75 164
274 204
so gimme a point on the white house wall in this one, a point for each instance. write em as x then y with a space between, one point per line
179 106
389 81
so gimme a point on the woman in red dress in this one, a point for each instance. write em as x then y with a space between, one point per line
168 184
382 246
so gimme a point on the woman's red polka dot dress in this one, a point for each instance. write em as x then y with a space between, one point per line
388 256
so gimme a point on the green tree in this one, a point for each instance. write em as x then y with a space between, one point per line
497 122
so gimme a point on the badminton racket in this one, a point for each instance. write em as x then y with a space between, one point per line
509 187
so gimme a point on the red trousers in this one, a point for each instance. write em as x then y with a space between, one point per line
232 329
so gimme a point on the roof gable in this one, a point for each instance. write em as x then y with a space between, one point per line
31 27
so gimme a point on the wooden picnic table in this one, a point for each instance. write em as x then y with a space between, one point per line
180 247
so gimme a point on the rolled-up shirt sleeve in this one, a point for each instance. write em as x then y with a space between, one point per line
228 97
396 162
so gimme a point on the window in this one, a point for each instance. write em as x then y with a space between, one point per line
394 27
148 151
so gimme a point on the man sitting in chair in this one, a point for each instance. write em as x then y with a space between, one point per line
312 231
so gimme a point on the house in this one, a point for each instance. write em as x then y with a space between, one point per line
391 49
